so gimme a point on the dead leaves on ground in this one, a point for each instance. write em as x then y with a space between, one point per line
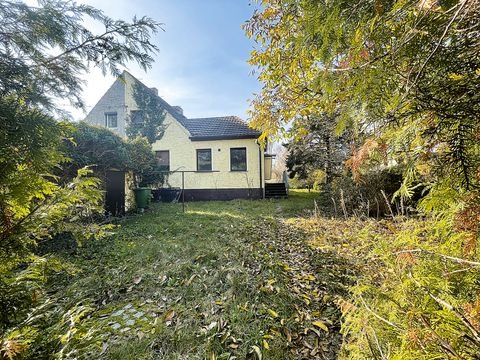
269 265
312 332
168 317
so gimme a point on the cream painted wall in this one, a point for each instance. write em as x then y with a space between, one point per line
130 103
118 98
183 156
112 101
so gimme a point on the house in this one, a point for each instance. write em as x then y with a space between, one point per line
212 158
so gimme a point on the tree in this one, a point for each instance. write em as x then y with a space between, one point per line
34 205
101 150
405 74
405 71
44 50
147 121
317 147
29 149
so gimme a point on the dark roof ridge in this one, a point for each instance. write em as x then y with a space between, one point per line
226 117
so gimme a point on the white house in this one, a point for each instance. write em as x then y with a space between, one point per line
220 157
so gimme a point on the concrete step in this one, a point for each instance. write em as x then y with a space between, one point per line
275 190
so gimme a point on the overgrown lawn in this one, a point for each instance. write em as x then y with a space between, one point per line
214 282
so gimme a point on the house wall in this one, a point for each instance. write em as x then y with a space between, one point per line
219 184
112 101
183 156
129 193
130 103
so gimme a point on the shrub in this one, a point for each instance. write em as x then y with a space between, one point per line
371 196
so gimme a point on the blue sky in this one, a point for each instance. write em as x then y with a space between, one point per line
201 65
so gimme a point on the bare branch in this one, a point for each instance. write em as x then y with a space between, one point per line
378 316
452 258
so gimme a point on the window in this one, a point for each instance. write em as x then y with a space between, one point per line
204 160
163 159
111 120
238 159
136 117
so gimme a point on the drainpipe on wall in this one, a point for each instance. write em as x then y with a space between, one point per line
260 168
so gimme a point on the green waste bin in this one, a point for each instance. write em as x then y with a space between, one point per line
143 196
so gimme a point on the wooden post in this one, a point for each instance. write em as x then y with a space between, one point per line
183 190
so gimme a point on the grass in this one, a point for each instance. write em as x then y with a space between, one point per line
222 280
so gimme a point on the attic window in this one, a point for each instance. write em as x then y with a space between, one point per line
136 117
204 160
111 120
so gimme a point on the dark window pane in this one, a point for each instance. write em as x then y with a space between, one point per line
163 159
204 160
238 159
137 117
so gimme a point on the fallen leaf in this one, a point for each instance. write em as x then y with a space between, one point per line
189 281
104 348
320 325
257 351
272 313
317 332
169 315
212 325
307 345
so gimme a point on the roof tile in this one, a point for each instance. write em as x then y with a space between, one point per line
211 128
216 128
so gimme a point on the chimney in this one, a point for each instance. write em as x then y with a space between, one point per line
178 109
154 90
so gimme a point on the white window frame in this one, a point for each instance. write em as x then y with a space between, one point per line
107 120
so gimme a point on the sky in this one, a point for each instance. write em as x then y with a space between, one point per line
202 63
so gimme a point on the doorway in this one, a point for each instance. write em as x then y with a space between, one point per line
115 192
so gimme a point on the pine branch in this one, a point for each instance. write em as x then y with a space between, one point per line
447 28
378 316
443 343
451 308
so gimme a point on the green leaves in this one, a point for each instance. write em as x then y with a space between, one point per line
391 68
148 120
320 325
45 49
101 150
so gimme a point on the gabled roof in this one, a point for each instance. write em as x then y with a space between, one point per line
211 128
219 128
166 106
